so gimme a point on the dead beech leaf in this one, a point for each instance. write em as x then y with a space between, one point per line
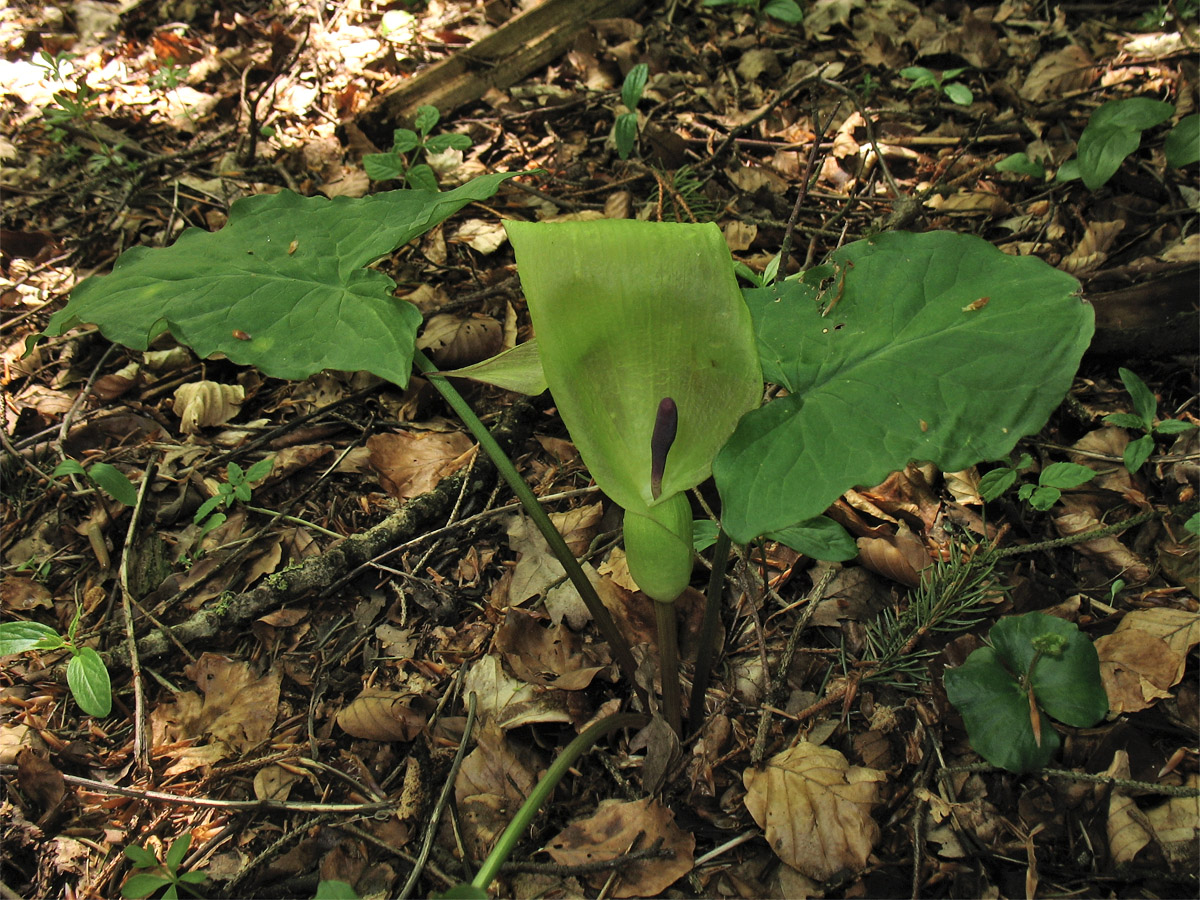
1173 826
1092 248
453 341
492 783
40 781
203 404
739 236
613 830
508 702
815 809
273 782
551 657
1071 68
412 463
23 594
1079 516
237 710
901 556
381 716
1146 656
486 237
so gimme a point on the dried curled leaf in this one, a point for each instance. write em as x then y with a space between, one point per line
815 809
454 341
381 716
204 404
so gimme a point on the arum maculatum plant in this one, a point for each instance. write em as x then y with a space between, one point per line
651 360
902 346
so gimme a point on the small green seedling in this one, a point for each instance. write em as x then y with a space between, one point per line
626 127
955 91
1182 146
335 890
1033 666
86 675
235 487
1021 164
787 11
1112 135
1162 14
408 146
108 478
168 75
1146 407
1052 481
164 874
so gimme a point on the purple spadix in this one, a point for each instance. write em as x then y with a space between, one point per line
666 424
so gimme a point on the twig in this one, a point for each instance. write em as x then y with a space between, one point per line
141 747
443 799
785 248
1149 787
785 662
1080 538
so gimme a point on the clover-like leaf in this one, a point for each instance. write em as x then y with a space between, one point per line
283 286
1037 665
996 712
939 347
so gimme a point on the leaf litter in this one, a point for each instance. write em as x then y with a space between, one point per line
258 710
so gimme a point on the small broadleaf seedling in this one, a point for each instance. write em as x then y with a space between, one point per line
408 146
1112 134
163 874
625 129
108 478
1052 481
87 676
1033 666
786 11
1145 411
944 83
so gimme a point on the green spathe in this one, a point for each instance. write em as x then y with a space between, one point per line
628 313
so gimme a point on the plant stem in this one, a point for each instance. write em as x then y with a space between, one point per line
708 631
533 803
668 665
608 628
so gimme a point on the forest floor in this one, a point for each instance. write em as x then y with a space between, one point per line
298 732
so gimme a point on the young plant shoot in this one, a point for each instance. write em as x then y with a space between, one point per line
649 352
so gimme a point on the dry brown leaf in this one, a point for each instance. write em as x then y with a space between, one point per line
1172 826
901 556
1146 656
537 568
1071 68
381 716
492 783
273 782
815 809
739 236
237 710
453 341
613 830
203 404
551 657
412 463
983 202
478 234
1079 516
23 594
1092 248
509 702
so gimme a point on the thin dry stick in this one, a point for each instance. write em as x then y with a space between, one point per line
1149 787
813 153
141 746
436 817
785 662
